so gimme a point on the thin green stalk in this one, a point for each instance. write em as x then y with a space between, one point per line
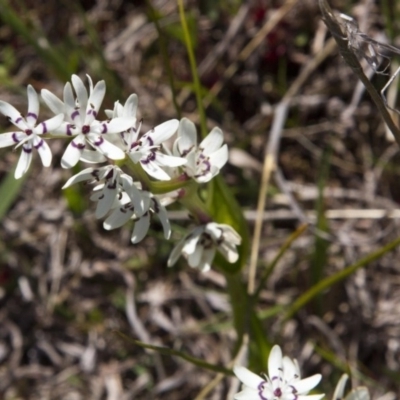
268 270
193 67
171 352
166 58
339 276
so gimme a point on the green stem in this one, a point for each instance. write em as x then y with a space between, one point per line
164 54
193 67
332 280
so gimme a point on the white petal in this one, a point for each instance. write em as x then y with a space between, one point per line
141 228
94 102
24 161
360 393
92 156
305 385
68 95
219 157
49 125
194 259
212 142
207 259
275 362
44 151
229 251
80 90
130 106
187 136
290 369
321 396
15 116
73 152
163 131
169 161
116 125
162 215
247 394
176 252
118 217
154 170
106 201
11 138
249 378
105 147
52 101
81 176
339 390
33 106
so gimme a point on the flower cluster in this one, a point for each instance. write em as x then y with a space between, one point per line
117 142
283 381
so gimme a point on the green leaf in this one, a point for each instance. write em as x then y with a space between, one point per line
170 352
9 190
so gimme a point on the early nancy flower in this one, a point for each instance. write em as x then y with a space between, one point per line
201 244
146 149
203 161
111 184
28 135
81 121
282 383
141 215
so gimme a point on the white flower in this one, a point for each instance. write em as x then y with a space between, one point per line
200 245
142 217
282 383
359 393
112 185
203 161
146 149
80 121
29 133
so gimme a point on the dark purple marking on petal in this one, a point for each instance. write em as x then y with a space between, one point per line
110 174
260 388
151 157
44 127
40 144
75 114
15 138
92 112
186 152
85 129
105 128
27 150
79 146
19 119
33 115
99 142
69 131
95 173
149 139
136 144
112 185
28 131
156 206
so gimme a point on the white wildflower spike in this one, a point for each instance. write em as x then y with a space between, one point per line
146 149
282 383
203 161
201 244
28 135
113 183
80 122
128 210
